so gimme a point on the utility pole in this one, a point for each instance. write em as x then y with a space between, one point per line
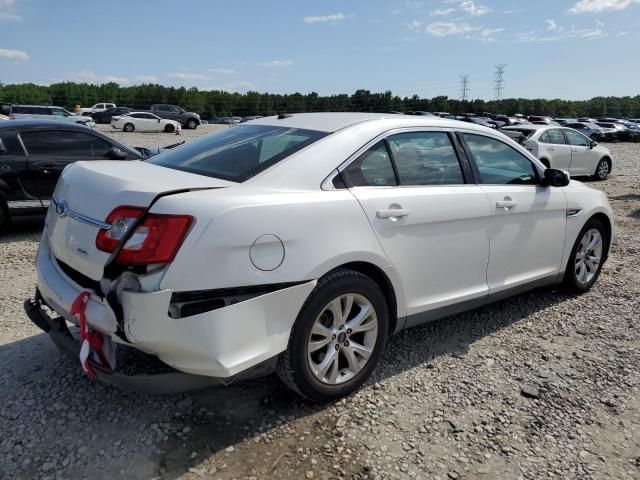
499 80
464 88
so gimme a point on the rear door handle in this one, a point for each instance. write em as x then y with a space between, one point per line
393 213
506 204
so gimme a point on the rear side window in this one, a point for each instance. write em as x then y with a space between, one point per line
64 143
556 137
237 154
498 163
425 158
372 169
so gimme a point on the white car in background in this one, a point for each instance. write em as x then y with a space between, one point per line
565 149
98 107
143 122
301 242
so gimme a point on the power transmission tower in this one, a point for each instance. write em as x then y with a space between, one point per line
464 88
499 80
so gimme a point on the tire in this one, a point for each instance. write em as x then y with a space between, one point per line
192 124
128 127
602 170
572 281
294 365
169 128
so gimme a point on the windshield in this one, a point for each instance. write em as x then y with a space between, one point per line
238 153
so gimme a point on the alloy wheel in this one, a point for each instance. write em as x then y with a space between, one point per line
342 339
603 169
588 256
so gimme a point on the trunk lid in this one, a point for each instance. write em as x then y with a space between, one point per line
89 191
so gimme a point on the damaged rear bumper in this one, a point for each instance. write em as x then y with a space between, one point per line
155 384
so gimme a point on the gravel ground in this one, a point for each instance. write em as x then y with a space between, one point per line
543 385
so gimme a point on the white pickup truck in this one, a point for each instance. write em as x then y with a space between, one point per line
98 107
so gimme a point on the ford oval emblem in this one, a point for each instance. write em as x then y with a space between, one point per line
62 208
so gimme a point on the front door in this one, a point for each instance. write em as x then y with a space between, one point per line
583 161
528 220
432 225
558 151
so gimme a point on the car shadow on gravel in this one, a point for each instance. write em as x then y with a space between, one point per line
168 435
21 229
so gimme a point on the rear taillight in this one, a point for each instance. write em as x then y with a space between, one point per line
155 240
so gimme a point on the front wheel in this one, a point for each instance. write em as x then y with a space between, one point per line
338 337
129 127
192 124
587 257
602 170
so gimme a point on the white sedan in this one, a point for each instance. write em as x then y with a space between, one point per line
299 243
566 149
143 122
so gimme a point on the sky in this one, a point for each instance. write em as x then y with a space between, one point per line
571 49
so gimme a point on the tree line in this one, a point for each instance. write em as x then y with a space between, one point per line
217 103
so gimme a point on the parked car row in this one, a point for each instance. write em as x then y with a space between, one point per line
33 154
19 112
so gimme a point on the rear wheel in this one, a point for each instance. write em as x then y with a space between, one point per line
603 169
129 127
338 337
587 257
169 128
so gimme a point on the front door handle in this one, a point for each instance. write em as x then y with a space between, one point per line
392 213
551 148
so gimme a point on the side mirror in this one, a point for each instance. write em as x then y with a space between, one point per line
115 153
556 178
593 144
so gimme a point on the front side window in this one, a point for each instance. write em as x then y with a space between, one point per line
577 139
64 143
425 158
58 112
498 163
239 153
372 169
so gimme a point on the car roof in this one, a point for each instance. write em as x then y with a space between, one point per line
35 122
528 126
333 121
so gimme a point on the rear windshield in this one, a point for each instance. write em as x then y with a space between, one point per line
238 153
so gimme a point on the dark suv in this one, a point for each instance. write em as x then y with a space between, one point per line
33 154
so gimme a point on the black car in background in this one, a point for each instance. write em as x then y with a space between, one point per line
33 154
105 116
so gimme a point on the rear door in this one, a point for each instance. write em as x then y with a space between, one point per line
50 151
528 220
432 223
14 176
583 160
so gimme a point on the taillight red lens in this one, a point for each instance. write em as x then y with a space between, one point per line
156 240
121 220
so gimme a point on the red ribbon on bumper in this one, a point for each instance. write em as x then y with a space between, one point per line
90 341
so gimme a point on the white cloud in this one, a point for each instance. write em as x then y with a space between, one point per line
559 33
240 86
415 25
442 12
276 63
333 18
146 78
13 54
445 29
223 71
487 34
594 6
87 76
551 25
6 10
470 7
186 76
